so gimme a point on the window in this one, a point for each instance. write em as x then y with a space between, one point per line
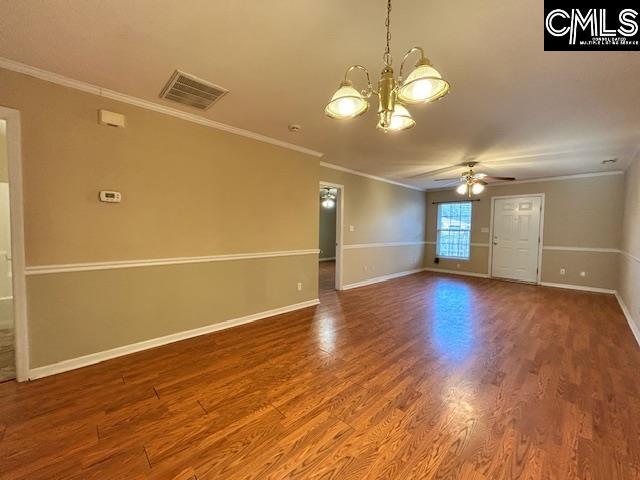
454 230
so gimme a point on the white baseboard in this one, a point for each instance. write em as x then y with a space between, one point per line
632 324
98 357
382 278
457 272
327 259
578 287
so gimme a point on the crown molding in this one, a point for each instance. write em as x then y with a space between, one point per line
538 180
372 177
562 177
146 104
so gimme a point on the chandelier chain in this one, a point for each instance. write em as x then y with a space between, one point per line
387 53
423 85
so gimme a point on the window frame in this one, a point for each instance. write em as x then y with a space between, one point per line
439 230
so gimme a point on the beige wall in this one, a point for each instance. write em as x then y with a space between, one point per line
379 213
327 240
380 261
188 190
79 313
629 284
581 212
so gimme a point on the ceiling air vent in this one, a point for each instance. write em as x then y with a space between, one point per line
192 91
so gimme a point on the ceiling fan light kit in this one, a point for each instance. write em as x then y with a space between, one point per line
473 183
423 85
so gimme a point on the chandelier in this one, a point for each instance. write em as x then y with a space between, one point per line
328 197
423 85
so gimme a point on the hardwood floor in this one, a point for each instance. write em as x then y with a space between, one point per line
422 377
327 276
7 355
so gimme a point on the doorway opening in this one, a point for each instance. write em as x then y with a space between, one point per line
7 337
516 237
330 204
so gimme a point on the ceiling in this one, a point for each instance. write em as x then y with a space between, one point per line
518 110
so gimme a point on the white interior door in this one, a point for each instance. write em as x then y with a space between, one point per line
516 238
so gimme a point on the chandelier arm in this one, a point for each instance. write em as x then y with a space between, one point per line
369 89
423 58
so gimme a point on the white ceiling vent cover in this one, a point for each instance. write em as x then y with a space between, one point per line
192 91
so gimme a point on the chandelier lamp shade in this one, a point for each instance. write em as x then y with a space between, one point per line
424 84
328 197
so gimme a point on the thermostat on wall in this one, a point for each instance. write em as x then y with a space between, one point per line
110 196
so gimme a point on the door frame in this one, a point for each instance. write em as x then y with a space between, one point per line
16 207
339 230
540 242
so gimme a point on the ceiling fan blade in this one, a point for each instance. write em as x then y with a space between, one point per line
492 177
433 173
481 182
451 183
446 179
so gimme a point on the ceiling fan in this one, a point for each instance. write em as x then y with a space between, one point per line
472 183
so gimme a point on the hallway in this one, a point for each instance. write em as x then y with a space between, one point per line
327 273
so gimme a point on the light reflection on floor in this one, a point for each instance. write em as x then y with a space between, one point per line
326 333
452 311
325 324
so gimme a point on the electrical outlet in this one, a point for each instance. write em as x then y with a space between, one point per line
583 274
457 265
299 286
352 228
562 271
365 268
